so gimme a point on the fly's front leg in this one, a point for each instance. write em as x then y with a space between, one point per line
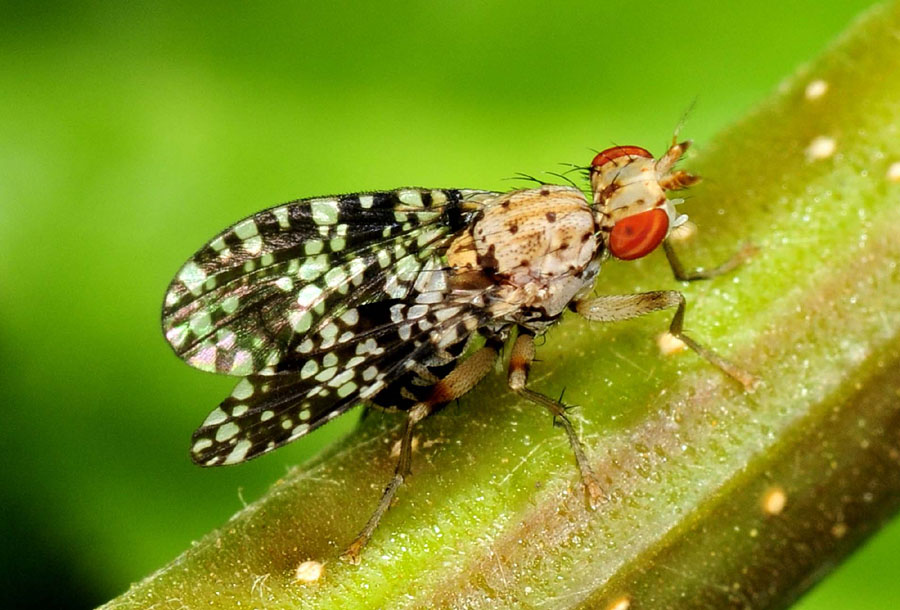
677 180
519 364
459 381
617 307
683 275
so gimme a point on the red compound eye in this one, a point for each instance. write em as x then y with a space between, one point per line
638 235
611 154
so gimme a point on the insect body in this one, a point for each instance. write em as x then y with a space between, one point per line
322 304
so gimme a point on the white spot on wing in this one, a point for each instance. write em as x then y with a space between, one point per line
313 268
239 452
227 431
346 389
416 311
217 416
404 331
309 369
410 198
300 321
324 211
243 390
205 358
326 374
300 430
243 363
201 323
313 246
254 245
281 215
192 276
218 244
438 198
341 379
329 331
177 334
445 313
308 295
335 277
397 312
225 339
229 304
350 317
246 229
200 445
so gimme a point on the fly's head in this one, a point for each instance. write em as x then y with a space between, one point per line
629 198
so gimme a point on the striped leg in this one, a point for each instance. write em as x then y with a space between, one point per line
617 307
519 364
459 381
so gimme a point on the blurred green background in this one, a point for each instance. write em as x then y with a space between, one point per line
130 134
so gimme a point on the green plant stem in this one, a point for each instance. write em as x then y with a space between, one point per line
718 498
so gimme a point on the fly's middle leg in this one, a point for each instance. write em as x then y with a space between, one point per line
520 361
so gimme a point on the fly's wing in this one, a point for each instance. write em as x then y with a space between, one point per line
287 274
370 346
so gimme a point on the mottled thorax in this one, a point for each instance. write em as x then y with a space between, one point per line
535 246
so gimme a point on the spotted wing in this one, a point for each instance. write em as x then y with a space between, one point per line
281 276
378 344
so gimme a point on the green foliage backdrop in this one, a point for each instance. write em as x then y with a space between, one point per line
131 133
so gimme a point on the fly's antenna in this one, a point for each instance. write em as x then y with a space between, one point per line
683 120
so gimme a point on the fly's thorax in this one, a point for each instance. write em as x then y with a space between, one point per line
533 245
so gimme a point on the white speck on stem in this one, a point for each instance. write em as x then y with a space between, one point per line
309 571
821 147
816 89
621 603
774 500
893 172
669 344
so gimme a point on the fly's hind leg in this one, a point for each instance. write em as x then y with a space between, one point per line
617 307
520 360
459 381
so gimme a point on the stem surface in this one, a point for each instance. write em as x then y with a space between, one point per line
718 497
